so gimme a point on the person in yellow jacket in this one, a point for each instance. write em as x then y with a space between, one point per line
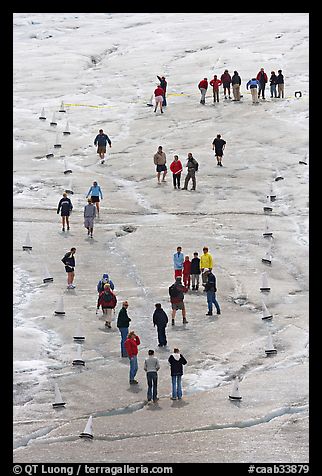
206 263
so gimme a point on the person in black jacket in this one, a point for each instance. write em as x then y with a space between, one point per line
195 271
211 289
176 361
280 84
123 322
236 82
65 205
160 319
101 141
69 262
163 85
273 83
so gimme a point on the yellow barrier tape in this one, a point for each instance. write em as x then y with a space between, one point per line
86 105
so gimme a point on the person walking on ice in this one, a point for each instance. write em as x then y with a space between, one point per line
195 271
203 86
160 319
131 346
123 322
206 262
69 262
253 85
176 361
89 215
151 366
218 145
176 169
262 79
163 85
192 166
160 160
211 290
236 82
95 192
158 97
176 291
101 141
226 82
107 300
105 279
215 83
65 205
280 84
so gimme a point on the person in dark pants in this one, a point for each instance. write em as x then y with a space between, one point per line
163 85
211 289
280 84
151 366
192 166
131 346
262 79
160 319
273 83
176 169
123 322
195 271
101 141
218 145
65 205
176 361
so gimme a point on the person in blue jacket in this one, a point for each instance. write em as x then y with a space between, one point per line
95 192
105 279
253 85
178 260
101 141
65 206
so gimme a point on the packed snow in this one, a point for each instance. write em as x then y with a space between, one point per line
103 68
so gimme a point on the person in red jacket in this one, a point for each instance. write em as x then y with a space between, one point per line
176 169
108 301
203 86
226 81
186 272
215 83
158 96
262 79
131 347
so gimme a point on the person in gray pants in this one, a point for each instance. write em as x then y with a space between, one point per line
151 366
89 215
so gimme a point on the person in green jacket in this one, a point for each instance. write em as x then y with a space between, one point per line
123 322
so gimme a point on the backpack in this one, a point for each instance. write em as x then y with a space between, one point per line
100 286
196 166
110 298
175 292
64 259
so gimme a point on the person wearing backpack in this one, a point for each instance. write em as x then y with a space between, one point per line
65 205
105 279
176 293
69 262
192 166
107 300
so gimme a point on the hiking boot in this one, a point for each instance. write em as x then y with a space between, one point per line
209 313
184 188
173 398
133 382
172 322
63 229
184 321
192 189
218 312
193 288
155 400
68 228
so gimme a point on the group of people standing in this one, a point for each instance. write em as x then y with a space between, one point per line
227 82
